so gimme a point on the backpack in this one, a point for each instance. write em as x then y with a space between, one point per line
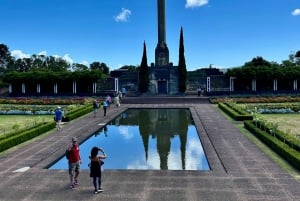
68 153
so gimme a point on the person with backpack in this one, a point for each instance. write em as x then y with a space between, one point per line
74 161
96 169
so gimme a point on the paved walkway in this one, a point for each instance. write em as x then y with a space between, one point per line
239 170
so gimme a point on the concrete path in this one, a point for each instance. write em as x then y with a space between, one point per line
239 170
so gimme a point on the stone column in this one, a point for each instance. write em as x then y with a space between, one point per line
161 50
74 87
38 88
9 88
208 84
116 85
275 85
231 84
23 88
295 85
161 17
55 88
254 85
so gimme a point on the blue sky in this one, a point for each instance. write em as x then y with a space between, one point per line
225 33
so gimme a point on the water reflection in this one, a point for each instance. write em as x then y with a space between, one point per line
148 139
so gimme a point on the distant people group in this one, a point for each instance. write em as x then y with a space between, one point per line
106 103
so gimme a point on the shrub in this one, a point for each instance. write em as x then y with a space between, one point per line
234 114
25 135
289 154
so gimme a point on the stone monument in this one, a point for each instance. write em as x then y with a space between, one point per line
163 76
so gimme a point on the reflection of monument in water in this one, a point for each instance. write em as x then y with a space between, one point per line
162 124
163 76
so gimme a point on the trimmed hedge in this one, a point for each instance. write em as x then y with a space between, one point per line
10 134
283 137
25 135
77 113
289 154
233 113
12 139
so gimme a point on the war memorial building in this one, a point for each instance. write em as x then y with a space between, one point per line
163 76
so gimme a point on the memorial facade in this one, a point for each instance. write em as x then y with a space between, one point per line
163 76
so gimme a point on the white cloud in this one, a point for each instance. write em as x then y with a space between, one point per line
67 58
86 63
123 16
296 12
195 3
124 131
18 54
43 53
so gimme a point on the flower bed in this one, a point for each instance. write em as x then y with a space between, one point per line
44 101
256 99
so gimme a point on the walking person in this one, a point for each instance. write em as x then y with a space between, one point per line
199 90
95 168
74 160
108 100
105 105
95 107
123 92
117 100
58 117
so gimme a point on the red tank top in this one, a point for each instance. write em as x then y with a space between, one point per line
74 155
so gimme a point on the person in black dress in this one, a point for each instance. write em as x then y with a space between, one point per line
95 168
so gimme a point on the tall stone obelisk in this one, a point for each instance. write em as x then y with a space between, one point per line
161 50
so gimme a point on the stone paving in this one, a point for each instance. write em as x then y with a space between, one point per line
239 170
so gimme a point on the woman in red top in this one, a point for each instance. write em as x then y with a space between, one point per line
74 162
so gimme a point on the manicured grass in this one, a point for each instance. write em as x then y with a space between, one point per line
287 123
270 153
264 148
9 123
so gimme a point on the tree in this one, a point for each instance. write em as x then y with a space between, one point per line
182 72
130 68
5 57
297 56
257 62
143 73
100 66
79 67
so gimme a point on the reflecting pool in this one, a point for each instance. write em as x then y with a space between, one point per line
144 139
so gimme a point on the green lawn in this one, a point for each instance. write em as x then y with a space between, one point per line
287 123
9 123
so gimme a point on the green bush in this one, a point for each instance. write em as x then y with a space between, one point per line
77 113
233 113
10 134
25 136
289 154
282 136
14 138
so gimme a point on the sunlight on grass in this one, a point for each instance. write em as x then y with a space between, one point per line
9 123
287 123
270 153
